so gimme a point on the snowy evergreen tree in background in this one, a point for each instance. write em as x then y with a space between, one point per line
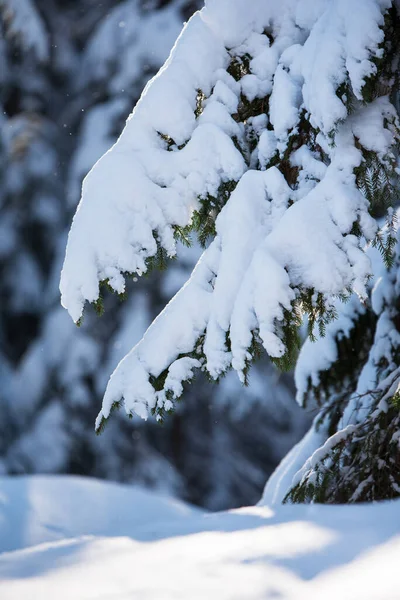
272 132
69 75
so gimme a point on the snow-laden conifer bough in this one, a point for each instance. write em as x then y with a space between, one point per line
271 131
53 374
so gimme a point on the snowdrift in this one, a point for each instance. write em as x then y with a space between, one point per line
68 537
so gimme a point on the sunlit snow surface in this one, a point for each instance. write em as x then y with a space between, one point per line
66 537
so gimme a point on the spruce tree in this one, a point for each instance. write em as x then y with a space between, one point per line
353 376
69 73
272 133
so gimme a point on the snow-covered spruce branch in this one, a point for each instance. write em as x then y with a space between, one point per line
359 460
261 131
358 463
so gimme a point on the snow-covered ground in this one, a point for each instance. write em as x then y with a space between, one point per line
64 538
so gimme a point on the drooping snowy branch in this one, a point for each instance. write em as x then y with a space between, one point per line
263 125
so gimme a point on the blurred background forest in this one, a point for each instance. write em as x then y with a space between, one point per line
70 73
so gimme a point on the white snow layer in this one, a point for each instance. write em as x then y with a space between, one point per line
66 537
271 240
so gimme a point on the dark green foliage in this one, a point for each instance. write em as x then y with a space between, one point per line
305 134
98 306
255 351
103 421
199 103
182 235
253 108
239 66
169 142
340 380
379 182
386 241
291 337
376 177
160 259
319 312
346 95
203 220
364 466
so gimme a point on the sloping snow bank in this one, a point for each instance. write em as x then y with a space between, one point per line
95 540
40 509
